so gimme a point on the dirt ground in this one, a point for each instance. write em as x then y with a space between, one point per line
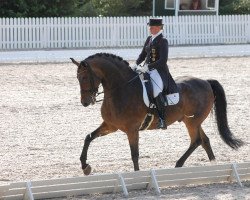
43 126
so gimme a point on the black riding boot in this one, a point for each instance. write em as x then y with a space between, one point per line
160 106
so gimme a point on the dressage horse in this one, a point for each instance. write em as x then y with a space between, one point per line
123 107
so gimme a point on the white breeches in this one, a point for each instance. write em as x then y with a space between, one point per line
156 82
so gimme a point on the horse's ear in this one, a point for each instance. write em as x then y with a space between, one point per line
75 62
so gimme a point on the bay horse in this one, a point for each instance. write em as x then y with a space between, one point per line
123 107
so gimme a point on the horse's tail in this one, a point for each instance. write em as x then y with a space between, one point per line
220 109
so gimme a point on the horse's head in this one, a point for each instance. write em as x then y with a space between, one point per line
89 82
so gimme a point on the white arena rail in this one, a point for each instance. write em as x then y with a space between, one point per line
125 182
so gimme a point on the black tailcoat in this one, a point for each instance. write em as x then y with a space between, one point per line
155 54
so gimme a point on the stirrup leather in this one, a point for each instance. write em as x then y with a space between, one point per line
162 124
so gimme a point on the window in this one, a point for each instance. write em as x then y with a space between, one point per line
210 4
170 4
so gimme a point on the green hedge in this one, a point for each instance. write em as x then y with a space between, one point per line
234 7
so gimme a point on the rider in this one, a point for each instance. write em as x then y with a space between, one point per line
155 54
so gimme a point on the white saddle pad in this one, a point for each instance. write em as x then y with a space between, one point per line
172 99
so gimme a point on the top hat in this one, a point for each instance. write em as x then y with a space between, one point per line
155 22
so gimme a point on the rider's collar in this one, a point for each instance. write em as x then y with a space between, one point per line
154 36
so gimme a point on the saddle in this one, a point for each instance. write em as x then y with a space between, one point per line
148 98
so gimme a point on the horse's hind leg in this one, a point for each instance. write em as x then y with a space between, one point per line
206 144
133 138
198 137
195 142
102 130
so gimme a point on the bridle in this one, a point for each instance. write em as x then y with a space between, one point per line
94 90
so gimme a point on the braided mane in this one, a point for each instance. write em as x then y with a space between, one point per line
109 56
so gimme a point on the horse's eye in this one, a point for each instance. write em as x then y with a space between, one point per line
82 79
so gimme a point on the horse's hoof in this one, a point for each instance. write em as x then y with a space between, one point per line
87 170
213 162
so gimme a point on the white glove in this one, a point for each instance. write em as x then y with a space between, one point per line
143 69
134 67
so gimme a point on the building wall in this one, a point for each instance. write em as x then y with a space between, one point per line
161 11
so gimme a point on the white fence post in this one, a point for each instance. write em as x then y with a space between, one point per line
248 28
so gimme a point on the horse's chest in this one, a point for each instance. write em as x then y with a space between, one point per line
109 113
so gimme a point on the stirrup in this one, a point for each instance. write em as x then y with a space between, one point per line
161 124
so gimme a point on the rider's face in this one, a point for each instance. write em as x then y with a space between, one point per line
154 29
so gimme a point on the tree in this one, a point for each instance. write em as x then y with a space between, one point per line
86 9
94 8
234 7
13 8
83 8
116 8
38 8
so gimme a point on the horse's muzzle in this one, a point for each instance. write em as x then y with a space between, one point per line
85 104
87 101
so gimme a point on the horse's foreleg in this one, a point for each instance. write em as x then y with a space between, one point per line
86 167
102 130
133 138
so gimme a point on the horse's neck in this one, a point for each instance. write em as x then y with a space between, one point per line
113 77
